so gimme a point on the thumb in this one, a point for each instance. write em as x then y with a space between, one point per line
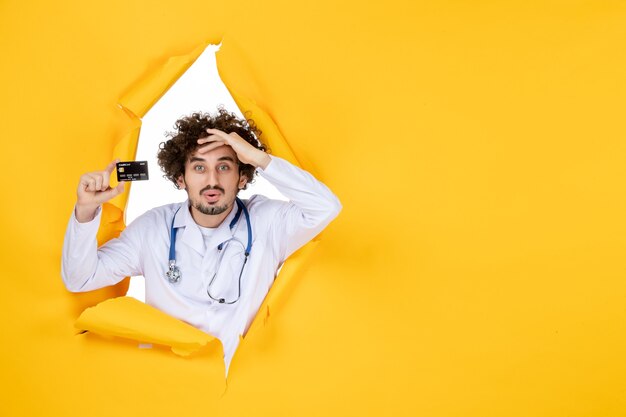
112 192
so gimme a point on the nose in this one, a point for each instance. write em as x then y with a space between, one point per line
212 177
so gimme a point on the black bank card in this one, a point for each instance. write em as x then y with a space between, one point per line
132 171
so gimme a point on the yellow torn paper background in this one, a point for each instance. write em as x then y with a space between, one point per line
142 321
131 319
477 268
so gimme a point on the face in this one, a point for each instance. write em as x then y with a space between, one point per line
212 180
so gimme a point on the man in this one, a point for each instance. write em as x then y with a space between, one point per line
226 252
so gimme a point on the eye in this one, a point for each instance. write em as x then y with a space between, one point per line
198 168
223 168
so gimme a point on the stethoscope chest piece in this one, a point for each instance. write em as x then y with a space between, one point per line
173 275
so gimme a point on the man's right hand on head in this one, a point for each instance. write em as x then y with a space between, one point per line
94 190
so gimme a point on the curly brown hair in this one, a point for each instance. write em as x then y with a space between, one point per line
175 152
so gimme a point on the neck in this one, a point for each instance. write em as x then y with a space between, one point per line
209 220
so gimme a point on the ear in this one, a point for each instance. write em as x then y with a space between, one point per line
180 182
243 180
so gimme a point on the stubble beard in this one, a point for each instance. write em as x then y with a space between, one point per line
210 210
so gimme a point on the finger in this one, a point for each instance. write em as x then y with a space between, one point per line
217 132
84 181
209 147
111 193
119 189
211 138
109 169
105 180
89 183
235 135
98 179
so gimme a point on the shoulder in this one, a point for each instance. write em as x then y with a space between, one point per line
262 206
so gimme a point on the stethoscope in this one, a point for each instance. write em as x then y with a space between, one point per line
174 275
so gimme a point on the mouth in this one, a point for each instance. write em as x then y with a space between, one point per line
212 196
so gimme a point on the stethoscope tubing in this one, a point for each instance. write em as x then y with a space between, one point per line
173 274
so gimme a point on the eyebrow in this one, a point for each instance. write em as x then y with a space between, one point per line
223 158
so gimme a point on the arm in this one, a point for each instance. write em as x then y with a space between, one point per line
84 267
311 207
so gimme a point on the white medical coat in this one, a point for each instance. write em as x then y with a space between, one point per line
278 229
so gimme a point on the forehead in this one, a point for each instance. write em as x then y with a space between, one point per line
214 155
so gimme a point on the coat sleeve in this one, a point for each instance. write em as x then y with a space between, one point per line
311 207
85 267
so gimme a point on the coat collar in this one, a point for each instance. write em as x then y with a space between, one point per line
191 234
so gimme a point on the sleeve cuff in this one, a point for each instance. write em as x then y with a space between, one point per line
94 223
269 168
